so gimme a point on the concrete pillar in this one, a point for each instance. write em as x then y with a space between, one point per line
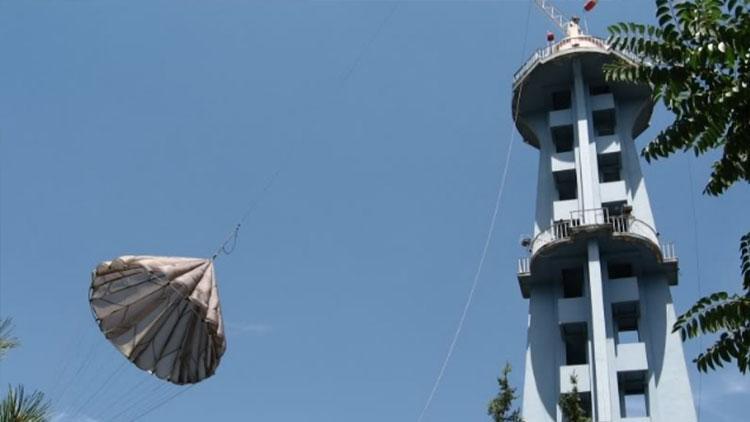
600 387
588 177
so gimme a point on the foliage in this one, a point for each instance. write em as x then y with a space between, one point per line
500 407
725 314
7 342
19 407
697 61
572 405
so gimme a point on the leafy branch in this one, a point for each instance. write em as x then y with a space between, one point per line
726 314
697 62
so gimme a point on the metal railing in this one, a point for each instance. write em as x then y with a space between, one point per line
524 266
619 224
597 218
668 251
545 52
593 216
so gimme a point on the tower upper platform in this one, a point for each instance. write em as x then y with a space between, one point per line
550 66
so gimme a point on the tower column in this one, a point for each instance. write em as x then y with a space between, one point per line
588 196
601 393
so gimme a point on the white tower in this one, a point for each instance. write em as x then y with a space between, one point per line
597 277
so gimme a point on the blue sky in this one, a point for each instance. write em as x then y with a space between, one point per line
146 127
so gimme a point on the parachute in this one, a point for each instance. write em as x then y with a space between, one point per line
162 313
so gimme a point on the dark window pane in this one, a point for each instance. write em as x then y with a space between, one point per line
604 122
561 100
599 89
575 337
572 282
566 184
619 270
609 167
563 138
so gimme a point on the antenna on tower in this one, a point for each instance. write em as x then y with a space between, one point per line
553 14
569 27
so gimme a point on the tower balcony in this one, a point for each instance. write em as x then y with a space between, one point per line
549 52
589 222
620 234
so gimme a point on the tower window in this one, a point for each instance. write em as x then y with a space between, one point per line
572 281
604 122
619 270
575 337
599 89
566 184
625 321
563 138
561 100
633 394
609 167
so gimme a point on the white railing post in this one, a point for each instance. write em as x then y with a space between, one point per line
668 251
524 266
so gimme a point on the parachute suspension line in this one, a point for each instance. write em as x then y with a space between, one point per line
75 343
159 393
154 391
231 239
84 370
229 244
138 400
697 272
122 398
485 249
346 75
97 369
228 250
100 389
79 372
162 402
62 377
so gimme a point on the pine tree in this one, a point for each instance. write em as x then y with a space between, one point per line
501 407
572 405
7 341
17 406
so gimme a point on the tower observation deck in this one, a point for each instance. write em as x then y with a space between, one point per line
598 275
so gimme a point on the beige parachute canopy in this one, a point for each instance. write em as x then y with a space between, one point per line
162 313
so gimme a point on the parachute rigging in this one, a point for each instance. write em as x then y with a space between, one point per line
162 313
